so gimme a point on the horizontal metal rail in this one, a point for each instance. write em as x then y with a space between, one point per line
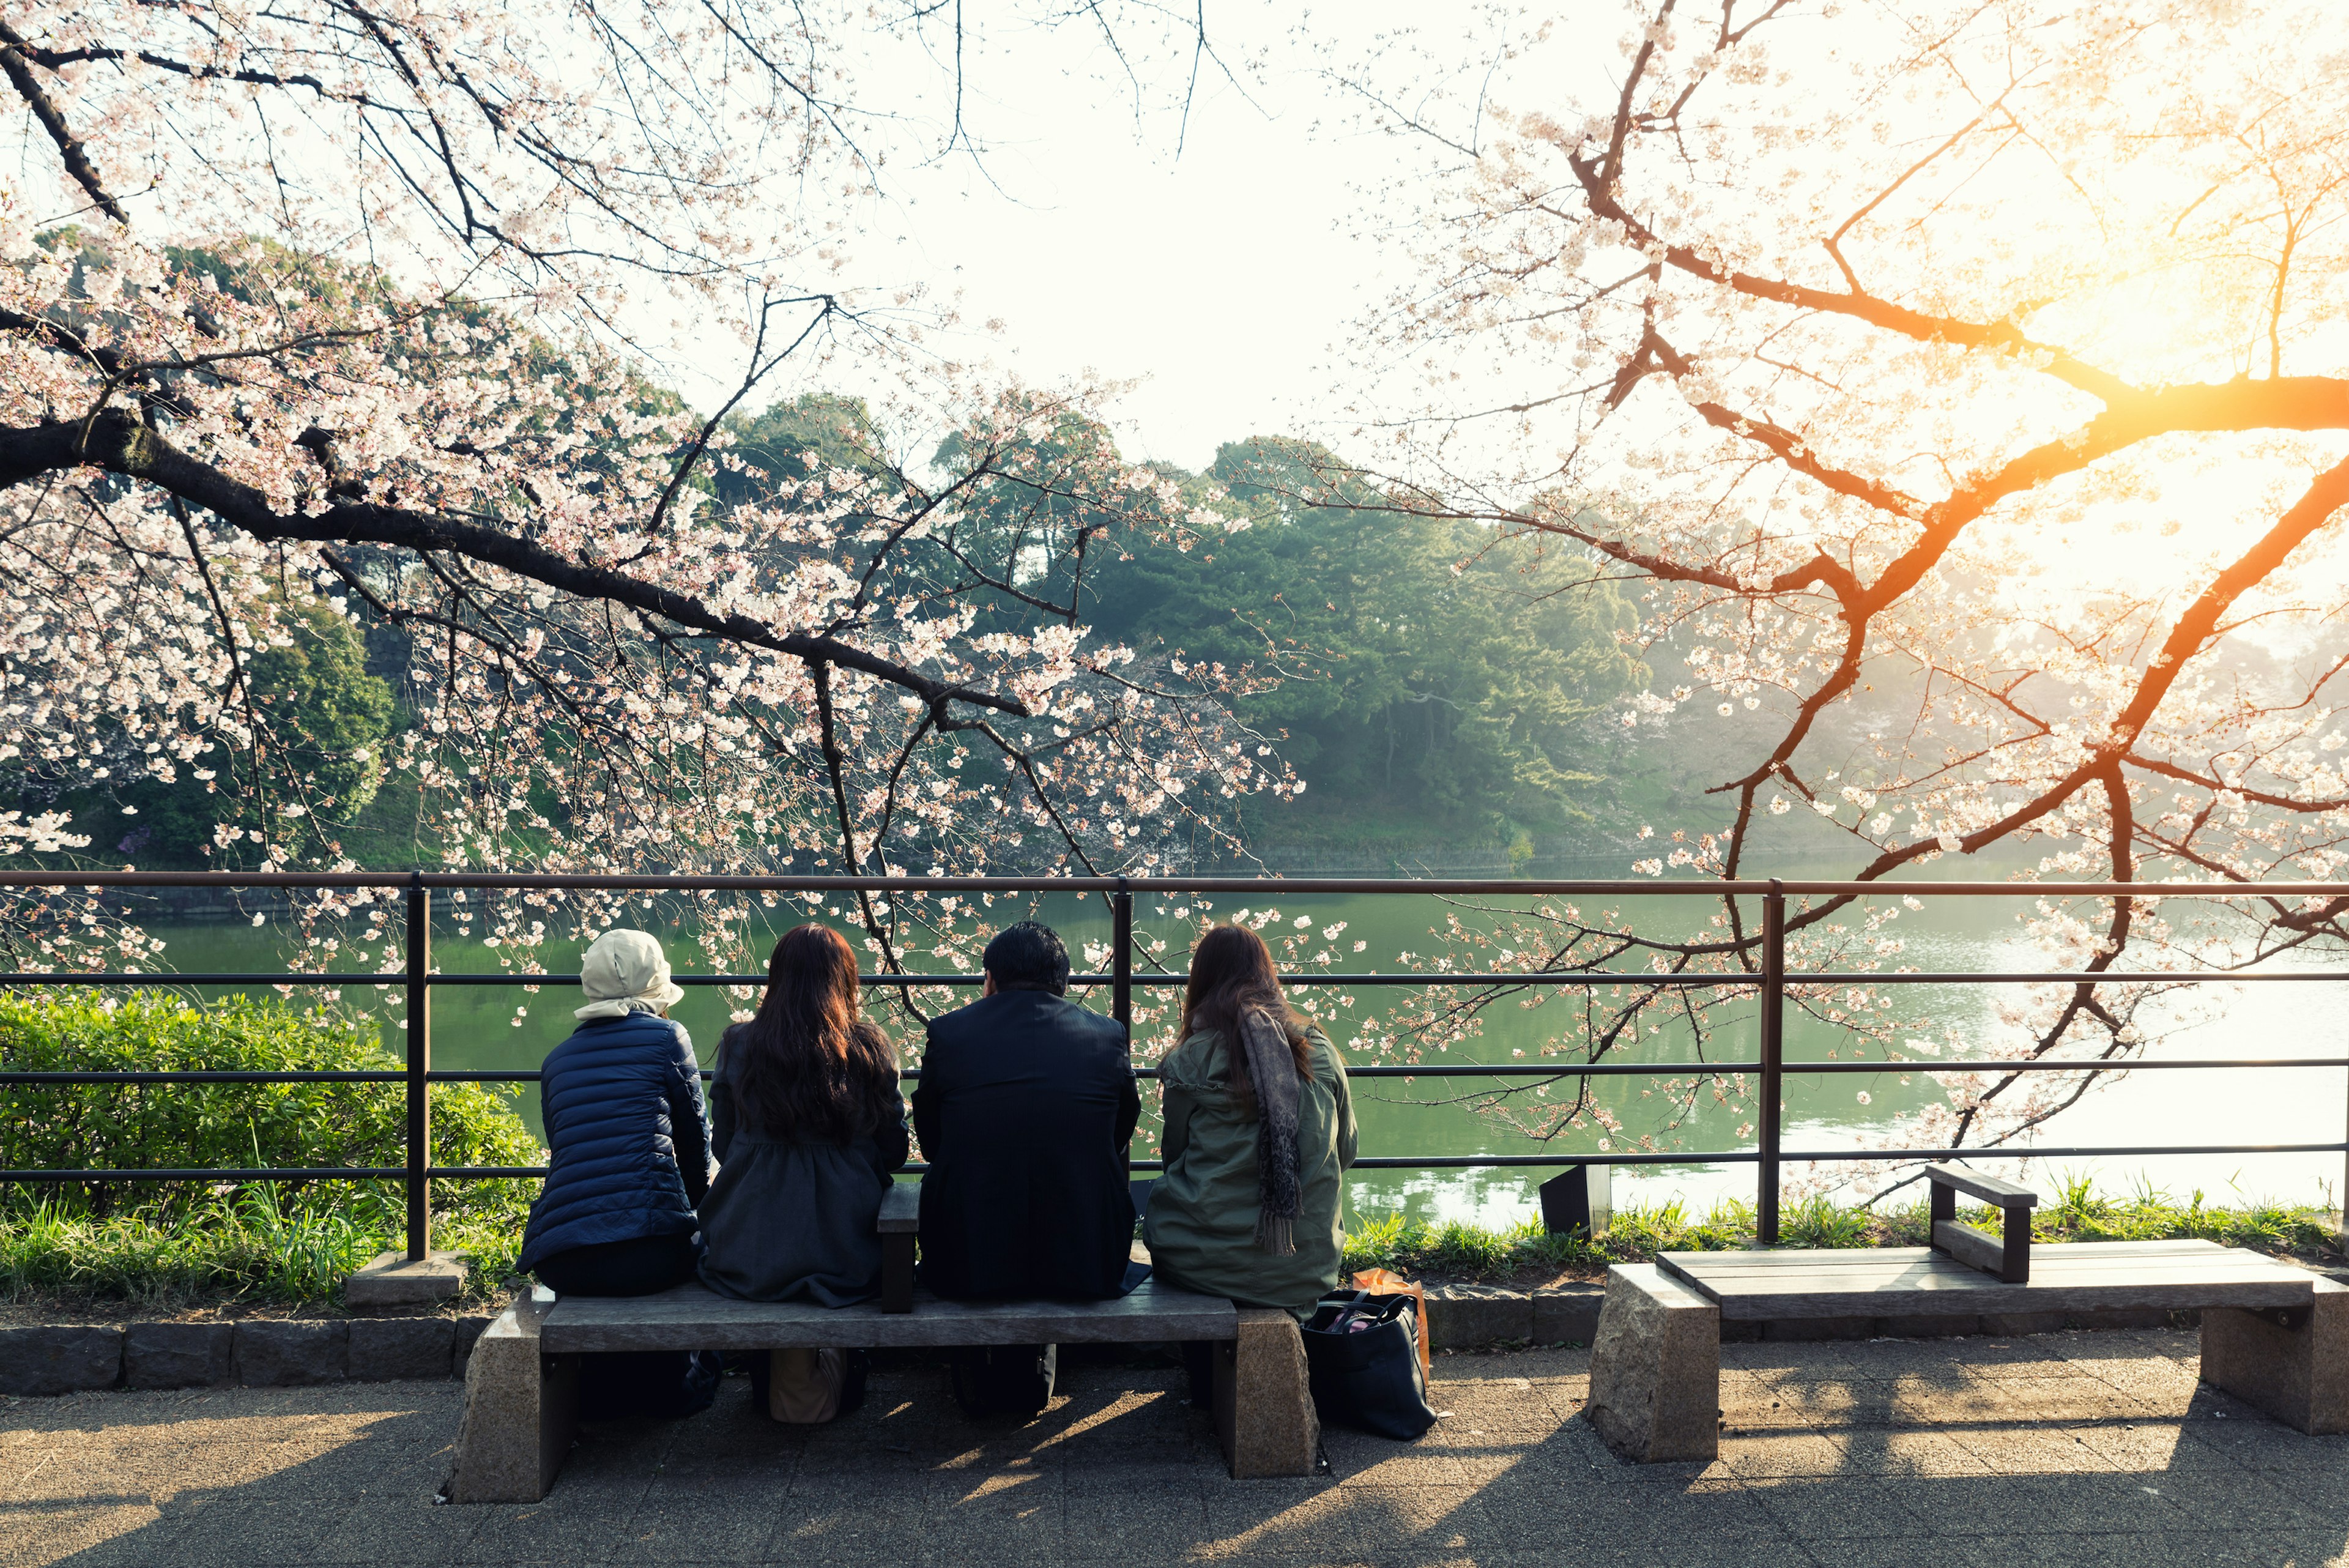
207 1075
1426 978
533 1074
2067 977
2069 1066
786 883
903 982
1414 1162
2037 1152
1363 1070
302 1173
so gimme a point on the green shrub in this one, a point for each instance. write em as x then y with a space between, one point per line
235 1126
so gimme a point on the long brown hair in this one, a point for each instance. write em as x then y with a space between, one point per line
1232 974
809 1065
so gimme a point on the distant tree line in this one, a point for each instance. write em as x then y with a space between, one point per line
1408 666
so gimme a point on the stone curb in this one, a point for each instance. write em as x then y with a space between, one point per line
383 1348
259 1353
277 1352
59 1360
1466 1317
178 1354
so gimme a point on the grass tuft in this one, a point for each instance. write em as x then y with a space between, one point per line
1637 1234
249 1246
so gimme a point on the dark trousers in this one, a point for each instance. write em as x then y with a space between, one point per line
1199 1368
632 1268
1005 1379
658 1383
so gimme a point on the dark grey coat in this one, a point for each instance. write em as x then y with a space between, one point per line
1025 1107
790 1218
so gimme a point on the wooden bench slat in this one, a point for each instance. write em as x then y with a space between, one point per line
2184 1263
1993 1296
2085 1258
1988 1189
2081 1271
1976 1249
693 1317
1958 1276
900 1210
1916 1281
2054 1253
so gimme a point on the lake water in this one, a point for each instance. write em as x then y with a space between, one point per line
501 1027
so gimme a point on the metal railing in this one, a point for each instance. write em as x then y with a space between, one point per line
1770 985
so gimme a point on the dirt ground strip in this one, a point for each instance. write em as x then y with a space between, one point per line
2086 1448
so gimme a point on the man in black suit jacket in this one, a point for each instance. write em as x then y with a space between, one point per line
1026 1105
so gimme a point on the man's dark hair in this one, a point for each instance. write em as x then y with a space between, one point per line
1028 957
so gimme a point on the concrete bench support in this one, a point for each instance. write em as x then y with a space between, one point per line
1655 1369
2292 1362
1263 1404
521 1399
900 1225
521 1409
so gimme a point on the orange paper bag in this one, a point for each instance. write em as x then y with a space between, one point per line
1385 1282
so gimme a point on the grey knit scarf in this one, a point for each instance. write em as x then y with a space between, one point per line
1272 1068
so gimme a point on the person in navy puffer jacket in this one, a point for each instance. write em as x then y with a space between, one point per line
629 1134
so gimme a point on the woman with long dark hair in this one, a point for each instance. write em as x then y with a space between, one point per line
1259 1131
809 1127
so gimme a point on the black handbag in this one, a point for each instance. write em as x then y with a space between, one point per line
1362 1354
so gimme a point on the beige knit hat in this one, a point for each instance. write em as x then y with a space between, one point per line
625 972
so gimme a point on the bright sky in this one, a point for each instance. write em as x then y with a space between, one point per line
1224 279
1219 279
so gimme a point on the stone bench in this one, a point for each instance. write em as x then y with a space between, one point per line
2272 1334
521 1382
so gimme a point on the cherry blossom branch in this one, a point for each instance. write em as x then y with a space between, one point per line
757 371
70 151
119 443
1597 175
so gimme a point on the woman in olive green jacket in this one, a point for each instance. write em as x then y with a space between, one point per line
1252 1200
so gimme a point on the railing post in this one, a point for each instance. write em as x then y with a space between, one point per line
1774 1053
419 1061
1121 963
1121 981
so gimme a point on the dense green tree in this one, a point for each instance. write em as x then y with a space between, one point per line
1419 664
1026 530
319 723
788 443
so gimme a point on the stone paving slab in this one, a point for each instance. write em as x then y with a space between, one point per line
2072 1451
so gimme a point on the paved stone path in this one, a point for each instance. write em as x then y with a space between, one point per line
2088 1448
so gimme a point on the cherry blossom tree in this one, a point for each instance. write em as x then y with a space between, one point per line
331 303
1964 385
